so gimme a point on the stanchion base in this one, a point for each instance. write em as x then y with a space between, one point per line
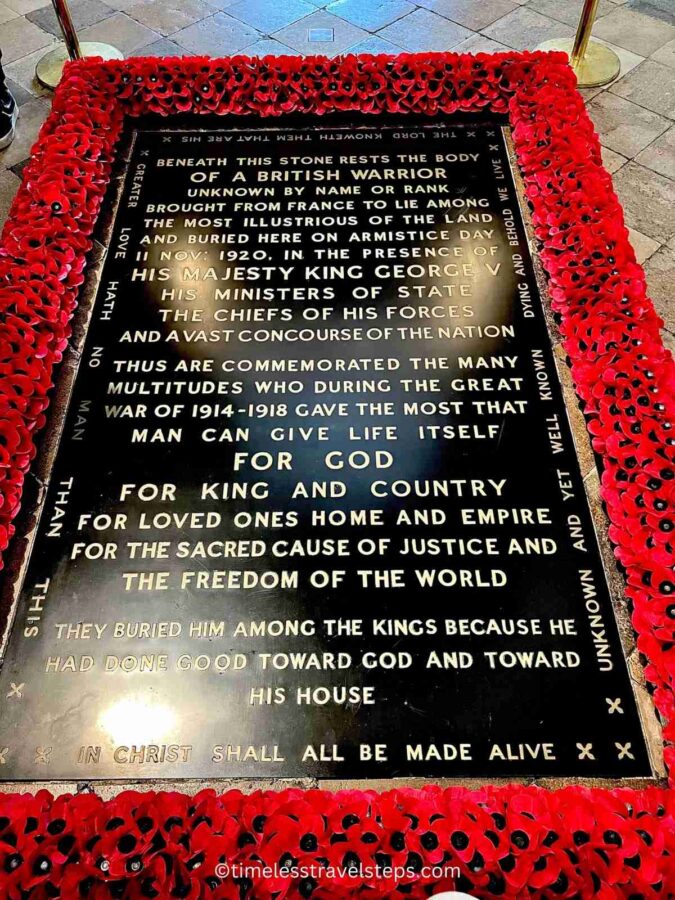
50 68
599 66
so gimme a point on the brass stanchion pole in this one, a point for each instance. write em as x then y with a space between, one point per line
50 68
594 64
69 34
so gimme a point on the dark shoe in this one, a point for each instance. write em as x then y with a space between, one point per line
9 112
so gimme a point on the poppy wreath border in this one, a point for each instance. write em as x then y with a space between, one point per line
571 842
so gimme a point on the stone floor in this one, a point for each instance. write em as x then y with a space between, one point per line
635 116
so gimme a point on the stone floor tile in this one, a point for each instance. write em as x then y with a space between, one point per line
568 11
648 200
665 5
425 30
660 155
167 16
657 9
83 12
31 118
478 43
469 13
589 93
219 35
270 47
24 6
122 32
20 94
665 55
268 16
9 184
623 126
644 246
213 5
660 272
22 71
20 37
635 31
7 13
612 161
305 35
375 45
650 85
524 29
370 14
121 5
162 47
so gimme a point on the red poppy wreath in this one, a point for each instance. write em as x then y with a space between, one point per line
508 842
